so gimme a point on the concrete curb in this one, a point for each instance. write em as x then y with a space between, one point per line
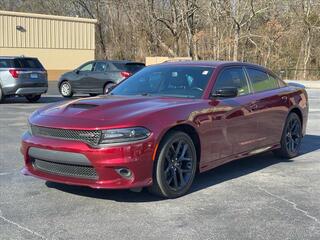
307 84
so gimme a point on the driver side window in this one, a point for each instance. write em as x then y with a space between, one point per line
87 67
232 77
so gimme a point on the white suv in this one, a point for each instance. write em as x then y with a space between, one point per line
22 76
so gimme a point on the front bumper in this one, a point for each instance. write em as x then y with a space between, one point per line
137 157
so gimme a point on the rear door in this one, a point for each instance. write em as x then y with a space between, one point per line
234 125
98 78
269 106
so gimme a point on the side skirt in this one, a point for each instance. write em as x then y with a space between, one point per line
219 162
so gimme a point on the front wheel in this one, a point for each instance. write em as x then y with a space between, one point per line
291 137
175 166
33 98
65 89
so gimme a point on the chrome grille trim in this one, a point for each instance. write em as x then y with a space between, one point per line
68 170
92 137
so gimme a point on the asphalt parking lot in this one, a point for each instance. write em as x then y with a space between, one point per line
260 197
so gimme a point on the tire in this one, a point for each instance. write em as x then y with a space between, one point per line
291 138
66 89
33 98
106 88
93 94
176 160
1 95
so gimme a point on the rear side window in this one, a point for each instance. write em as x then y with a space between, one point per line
6 63
28 63
134 67
100 67
233 77
130 67
280 82
260 80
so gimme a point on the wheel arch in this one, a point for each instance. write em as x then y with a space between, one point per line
107 82
297 111
63 80
190 131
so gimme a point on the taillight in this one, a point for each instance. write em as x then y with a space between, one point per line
126 74
14 73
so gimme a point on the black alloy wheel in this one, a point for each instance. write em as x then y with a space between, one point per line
291 137
175 167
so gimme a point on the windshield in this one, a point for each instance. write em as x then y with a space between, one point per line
175 81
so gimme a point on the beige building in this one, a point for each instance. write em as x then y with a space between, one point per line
61 43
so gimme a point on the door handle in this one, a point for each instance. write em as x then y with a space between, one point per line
253 107
284 98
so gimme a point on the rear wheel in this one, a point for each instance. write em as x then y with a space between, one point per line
107 87
175 166
33 97
291 137
66 89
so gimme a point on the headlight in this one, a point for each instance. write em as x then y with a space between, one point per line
124 135
29 127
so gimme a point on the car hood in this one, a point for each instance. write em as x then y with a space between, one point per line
113 110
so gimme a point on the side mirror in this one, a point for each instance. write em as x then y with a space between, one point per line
226 92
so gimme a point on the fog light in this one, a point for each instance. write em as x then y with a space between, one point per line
124 172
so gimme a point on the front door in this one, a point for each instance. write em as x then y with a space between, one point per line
83 75
233 123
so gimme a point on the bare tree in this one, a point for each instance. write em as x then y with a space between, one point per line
281 34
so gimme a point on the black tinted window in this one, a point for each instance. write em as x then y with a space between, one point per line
130 67
260 80
6 63
100 67
233 77
29 63
134 67
176 81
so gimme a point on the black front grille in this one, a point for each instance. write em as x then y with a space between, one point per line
63 169
91 137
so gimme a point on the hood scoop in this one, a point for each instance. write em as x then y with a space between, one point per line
82 105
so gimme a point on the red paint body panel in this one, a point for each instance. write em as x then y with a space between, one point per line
228 129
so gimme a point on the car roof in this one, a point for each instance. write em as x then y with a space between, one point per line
213 64
119 61
15 57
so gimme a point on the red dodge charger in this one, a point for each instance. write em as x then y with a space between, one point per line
160 126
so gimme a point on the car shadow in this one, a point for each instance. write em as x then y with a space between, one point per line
226 172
